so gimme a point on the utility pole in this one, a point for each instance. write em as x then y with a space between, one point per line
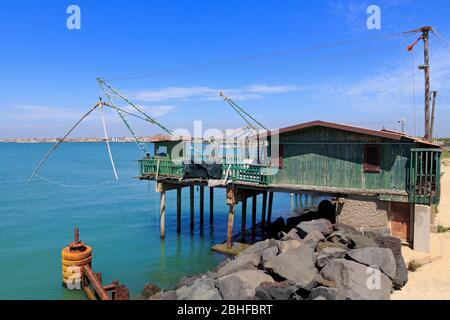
433 111
426 68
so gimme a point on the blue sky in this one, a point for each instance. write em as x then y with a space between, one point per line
285 62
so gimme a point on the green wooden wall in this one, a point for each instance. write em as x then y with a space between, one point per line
170 145
327 157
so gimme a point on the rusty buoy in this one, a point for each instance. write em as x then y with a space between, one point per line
74 257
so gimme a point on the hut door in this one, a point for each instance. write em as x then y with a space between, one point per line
400 220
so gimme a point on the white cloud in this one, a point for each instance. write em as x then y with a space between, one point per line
255 91
158 111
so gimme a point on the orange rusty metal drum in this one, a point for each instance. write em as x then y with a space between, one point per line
71 255
73 258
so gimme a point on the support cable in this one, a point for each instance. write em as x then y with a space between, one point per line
107 143
122 116
60 141
123 97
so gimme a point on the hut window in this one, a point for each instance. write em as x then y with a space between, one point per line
372 159
161 151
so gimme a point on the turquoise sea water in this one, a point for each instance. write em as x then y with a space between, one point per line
118 219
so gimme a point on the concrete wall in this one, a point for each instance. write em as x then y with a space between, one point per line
363 213
422 228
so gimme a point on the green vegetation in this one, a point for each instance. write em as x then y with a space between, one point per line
413 266
442 229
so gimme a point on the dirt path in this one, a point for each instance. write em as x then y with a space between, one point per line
432 281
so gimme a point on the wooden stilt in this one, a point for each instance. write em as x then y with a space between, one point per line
202 206
269 213
163 214
263 211
254 199
191 192
178 210
231 201
230 226
211 206
244 219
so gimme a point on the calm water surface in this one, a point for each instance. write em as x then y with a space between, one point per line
118 219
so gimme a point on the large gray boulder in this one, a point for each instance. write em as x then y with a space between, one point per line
291 235
395 244
328 254
276 290
296 265
355 281
260 246
242 285
288 245
313 238
380 257
242 262
201 289
187 280
351 237
324 293
268 254
166 295
323 245
360 240
339 237
324 226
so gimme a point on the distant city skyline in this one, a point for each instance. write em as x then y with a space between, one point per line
285 64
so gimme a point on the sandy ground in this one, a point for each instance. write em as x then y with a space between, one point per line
432 281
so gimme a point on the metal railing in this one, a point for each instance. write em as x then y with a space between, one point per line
160 167
244 173
425 176
230 172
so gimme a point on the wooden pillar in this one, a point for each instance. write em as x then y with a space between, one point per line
211 206
179 209
163 214
254 199
244 218
231 201
263 211
202 206
269 213
191 193
230 226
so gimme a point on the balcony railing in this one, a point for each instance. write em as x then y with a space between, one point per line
160 167
230 172
425 176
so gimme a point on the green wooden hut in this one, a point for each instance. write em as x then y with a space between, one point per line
378 177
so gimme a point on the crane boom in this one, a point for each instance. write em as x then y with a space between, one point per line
123 97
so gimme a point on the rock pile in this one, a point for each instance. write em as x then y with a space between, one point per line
314 260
